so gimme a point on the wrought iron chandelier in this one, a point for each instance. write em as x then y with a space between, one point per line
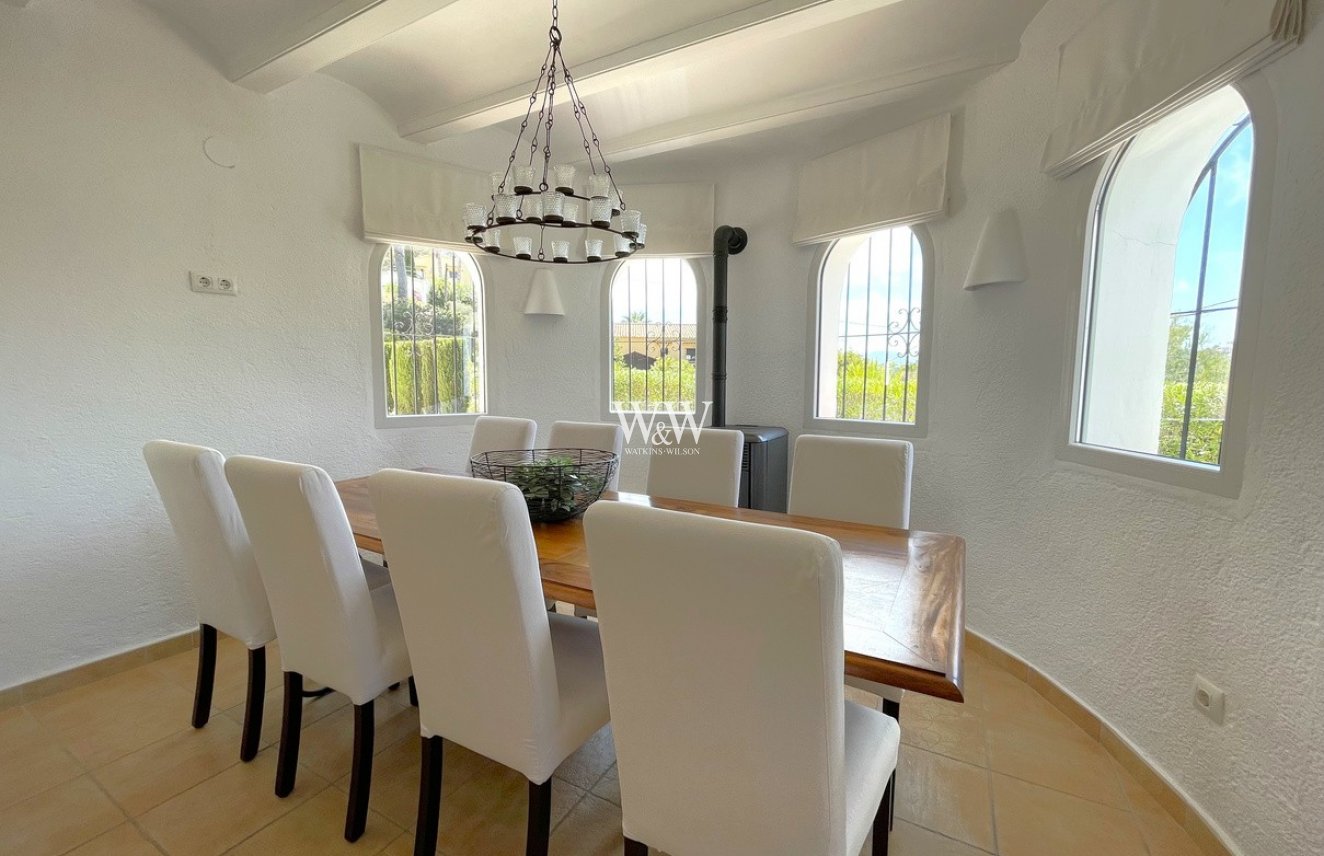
530 198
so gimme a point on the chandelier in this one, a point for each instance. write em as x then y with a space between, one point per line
533 196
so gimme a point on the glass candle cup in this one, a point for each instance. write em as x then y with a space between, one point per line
497 179
523 179
507 204
523 247
599 212
563 177
492 240
572 212
630 222
615 197
593 249
551 206
475 215
560 251
599 186
643 234
531 208
624 246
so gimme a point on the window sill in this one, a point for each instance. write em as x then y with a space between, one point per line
904 430
1224 480
433 420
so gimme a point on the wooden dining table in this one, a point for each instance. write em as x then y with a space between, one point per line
904 590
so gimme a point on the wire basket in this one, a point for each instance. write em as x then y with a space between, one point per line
558 484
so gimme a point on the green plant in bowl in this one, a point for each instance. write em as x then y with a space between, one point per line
553 486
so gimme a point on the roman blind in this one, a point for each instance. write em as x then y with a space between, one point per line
1137 61
680 217
415 200
897 178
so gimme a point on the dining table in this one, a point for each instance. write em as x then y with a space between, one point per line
903 590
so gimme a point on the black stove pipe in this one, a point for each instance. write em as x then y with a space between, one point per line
727 241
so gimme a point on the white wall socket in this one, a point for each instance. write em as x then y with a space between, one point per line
1208 699
205 283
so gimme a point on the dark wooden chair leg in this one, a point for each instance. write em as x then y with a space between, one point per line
395 686
206 676
540 818
635 848
892 709
882 824
257 691
413 692
287 763
360 779
429 797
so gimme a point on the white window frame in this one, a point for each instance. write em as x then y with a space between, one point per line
1225 479
905 430
703 333
380 417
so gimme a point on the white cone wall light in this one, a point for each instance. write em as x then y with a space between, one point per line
544 298
1000 256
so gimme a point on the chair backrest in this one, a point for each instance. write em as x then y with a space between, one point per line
854 479
499 433
312 572
724 656
706 471
603 436
465 569
212 537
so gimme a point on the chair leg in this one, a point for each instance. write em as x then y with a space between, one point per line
429 797
540 818
287 764
206 676
892 709
882 824
413 692
360 780
635 848
257 690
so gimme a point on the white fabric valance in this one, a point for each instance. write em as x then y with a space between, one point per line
415 200
680 217
1139 60
896 178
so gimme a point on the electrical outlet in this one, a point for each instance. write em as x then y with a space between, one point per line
205 283
1209 699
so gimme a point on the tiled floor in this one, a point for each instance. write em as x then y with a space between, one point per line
114 768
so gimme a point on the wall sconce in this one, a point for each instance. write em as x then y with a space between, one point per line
1000 256
544 299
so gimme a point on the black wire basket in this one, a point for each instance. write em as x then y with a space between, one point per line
558 484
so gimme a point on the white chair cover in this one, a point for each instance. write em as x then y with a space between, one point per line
711 475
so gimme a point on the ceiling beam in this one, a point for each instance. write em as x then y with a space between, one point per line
807 106
345 28
765 21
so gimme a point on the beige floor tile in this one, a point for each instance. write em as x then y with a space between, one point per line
231 685
144 779
592 828
31 760
1164 835
488 815
1053 755
123 840
609 786
908 839
590 761
954 730
227 808
317 828
273 706
327 745
112 717
945 795
58 819
1038 821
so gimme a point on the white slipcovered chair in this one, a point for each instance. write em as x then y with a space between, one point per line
337 618
711 474
724 655
499 433
603 436
499 675
226 585
856 480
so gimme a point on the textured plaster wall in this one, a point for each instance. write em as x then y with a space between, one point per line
1120 588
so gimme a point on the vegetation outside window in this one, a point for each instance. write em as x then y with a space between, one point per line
654 328
871 305
1169 251
432 332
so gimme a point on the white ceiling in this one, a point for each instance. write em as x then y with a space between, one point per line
658 78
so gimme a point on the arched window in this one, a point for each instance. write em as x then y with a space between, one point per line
432 329
656 343
1169 251
871 307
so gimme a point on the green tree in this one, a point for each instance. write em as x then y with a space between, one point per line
888 394
1208 395
670 379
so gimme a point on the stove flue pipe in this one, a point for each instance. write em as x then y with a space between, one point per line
727 241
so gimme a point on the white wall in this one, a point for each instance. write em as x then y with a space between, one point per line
1121 589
